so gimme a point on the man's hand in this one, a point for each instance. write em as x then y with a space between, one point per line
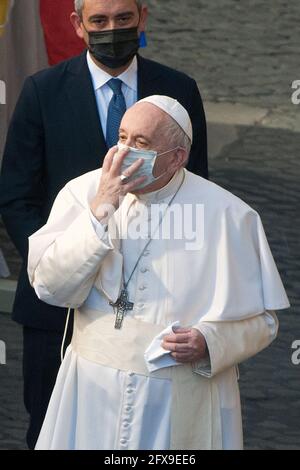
186 345
111 189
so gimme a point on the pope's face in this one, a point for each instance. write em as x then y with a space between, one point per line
103 15
143 127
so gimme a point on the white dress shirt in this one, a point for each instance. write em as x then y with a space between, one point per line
104 93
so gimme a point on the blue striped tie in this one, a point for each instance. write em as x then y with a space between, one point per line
116 110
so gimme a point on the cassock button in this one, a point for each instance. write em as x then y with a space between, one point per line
142 288
123 442
144 270
130 400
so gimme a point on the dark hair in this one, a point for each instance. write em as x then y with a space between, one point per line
78 5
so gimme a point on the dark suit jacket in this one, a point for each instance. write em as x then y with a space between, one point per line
55 135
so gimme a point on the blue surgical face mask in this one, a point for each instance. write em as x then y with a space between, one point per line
149 157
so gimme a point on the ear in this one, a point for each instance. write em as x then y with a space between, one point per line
143 18
180 158
77 25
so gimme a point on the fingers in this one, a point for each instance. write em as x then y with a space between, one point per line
108 160
116 166
117 162
177 347
184 347
133 168
130 187
182 358
178 338
182 330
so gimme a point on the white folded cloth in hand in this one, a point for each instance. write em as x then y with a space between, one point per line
156 356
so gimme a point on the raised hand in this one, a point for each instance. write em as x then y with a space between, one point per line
113 187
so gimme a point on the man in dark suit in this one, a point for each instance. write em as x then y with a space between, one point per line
62 127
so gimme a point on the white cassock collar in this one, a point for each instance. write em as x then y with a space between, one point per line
163 194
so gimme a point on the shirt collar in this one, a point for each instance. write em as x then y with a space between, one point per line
100 77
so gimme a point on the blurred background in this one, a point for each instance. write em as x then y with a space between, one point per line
245 57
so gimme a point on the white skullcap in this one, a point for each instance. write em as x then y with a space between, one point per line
174 109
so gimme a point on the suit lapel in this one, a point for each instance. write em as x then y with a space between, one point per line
148 78
82 100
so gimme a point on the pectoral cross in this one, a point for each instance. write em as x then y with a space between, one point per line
122 305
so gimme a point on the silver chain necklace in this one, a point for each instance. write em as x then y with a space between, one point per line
123 304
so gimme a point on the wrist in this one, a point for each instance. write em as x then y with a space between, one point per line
101 216
102 211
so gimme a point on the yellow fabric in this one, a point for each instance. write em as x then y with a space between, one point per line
4 10
196 420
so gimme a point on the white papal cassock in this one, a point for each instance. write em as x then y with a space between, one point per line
228 287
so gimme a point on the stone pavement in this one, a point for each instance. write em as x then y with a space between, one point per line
13 418
244 56
239 52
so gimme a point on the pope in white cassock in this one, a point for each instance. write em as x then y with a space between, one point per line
173 284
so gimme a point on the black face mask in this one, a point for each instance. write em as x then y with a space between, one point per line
114 48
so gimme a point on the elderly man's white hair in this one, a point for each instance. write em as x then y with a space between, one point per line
176 136
78 5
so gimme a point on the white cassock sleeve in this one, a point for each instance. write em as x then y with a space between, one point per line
65 255
230 343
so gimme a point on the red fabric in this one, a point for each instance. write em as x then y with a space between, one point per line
61 39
